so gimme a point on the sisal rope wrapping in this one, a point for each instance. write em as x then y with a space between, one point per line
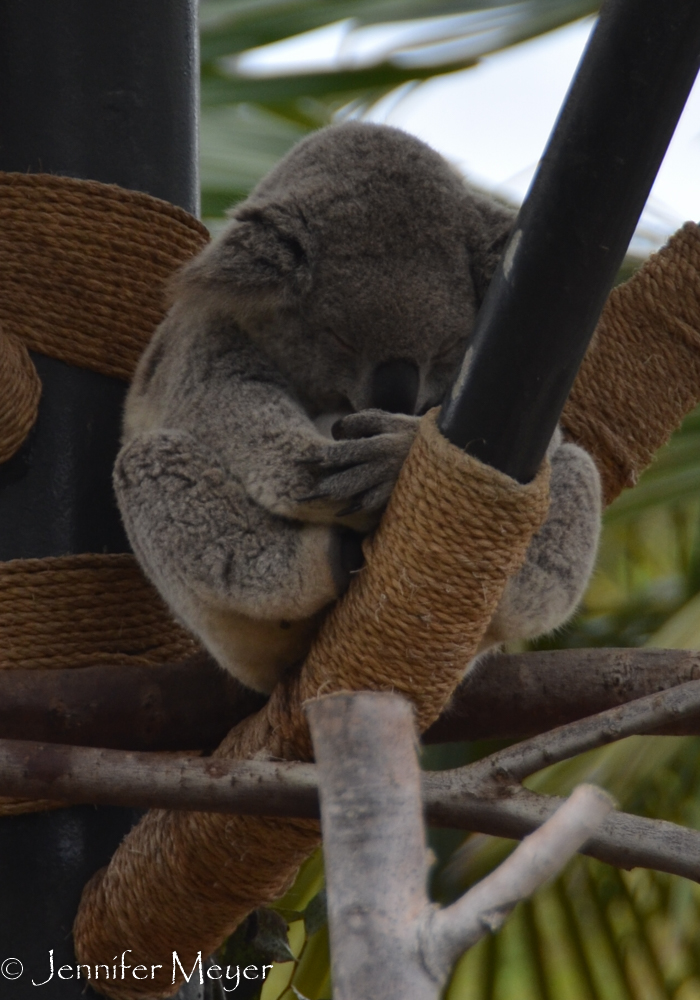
641 375
20 390
84 265
453 533
93 609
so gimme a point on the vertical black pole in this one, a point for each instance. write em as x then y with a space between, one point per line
573 230
106 91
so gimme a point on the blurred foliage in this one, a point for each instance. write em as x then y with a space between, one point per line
596 933
249 122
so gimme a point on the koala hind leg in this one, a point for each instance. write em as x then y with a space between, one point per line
559 561
249 584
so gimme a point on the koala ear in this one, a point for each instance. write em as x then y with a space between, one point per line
490 225
262 255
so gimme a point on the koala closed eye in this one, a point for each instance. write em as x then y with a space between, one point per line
272 412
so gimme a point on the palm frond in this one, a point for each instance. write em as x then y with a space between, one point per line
232 26
250 120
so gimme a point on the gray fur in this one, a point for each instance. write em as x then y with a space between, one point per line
256 432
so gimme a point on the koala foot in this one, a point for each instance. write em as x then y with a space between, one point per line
559 561
246 582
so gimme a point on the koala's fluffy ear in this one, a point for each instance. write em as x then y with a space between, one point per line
262 256
490 225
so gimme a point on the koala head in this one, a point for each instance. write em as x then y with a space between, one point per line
358 265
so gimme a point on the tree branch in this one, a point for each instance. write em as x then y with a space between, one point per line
76 775
512 811
644 715
387 939
518 695
192 705
486 796
540 856
376 857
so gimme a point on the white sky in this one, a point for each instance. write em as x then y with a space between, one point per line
493 120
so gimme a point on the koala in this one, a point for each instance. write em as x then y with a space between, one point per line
272 411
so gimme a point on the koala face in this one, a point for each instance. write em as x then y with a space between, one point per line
358 265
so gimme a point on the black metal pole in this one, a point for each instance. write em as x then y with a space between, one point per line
104 91
573 230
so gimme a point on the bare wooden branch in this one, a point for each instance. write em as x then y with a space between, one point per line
644 715
145 780
192 705
509 810
374 844
518 695
180 706
487 796
387 939
484 797
541 856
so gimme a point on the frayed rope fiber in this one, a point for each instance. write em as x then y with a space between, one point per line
453 532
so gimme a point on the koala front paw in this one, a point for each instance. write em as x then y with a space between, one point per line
370 423
354 475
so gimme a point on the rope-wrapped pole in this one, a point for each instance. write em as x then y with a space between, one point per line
410 622
106 92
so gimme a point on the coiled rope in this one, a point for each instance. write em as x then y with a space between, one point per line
84 266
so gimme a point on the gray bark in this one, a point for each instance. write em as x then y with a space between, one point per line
511 696
484 797
387 940
192 705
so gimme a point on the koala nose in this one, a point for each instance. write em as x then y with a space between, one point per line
395 386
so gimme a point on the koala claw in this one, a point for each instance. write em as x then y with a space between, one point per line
352 508
370 423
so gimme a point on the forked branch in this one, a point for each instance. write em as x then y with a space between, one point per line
387 939
484 797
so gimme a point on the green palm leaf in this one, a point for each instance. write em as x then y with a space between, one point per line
231 26
249 122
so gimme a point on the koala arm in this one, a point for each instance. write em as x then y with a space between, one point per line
224 392
559 561
299 473
250 585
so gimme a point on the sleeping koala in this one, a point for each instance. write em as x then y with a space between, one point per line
276 403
